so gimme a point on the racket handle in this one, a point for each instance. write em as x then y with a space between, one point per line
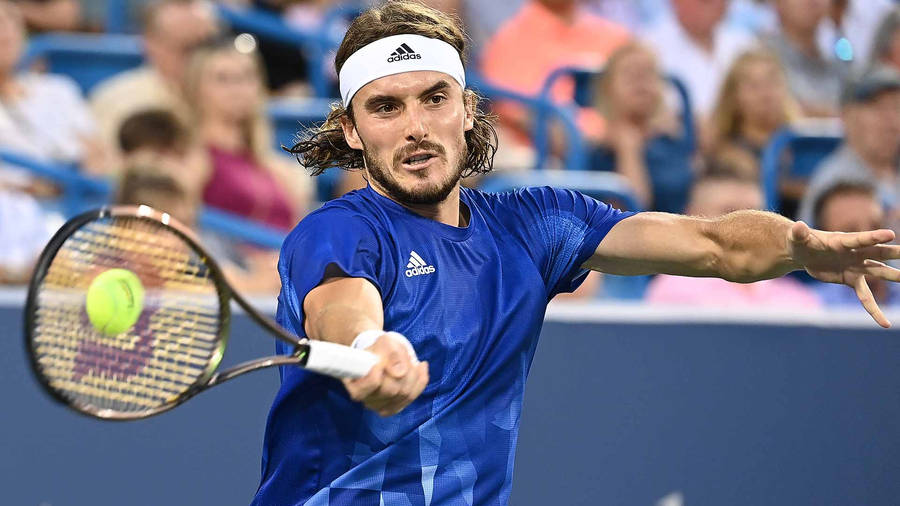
339 361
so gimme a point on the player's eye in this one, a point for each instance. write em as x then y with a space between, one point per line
385 108
437 99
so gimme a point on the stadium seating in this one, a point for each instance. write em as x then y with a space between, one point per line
85 57
794 155
575 157
80 193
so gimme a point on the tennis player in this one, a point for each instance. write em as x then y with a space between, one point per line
449 285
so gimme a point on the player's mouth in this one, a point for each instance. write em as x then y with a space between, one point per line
419 160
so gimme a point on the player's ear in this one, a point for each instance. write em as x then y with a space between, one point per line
470 101
350 133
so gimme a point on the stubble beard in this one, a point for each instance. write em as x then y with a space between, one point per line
432 194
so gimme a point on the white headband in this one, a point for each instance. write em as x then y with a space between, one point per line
397 54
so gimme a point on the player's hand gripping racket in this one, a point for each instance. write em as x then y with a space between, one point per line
169 348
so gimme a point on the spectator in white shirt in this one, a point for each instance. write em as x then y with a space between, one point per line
694 46
24 229
42 116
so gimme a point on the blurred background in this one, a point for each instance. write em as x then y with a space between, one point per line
707 392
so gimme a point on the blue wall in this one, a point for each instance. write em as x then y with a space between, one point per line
616 413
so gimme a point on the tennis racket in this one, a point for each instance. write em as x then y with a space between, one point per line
175 347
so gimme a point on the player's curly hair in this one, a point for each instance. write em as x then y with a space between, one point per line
324 146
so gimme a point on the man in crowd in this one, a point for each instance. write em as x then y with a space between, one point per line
172 29
851 206
871 148
814 77
697 48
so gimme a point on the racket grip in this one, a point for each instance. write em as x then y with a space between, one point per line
339 361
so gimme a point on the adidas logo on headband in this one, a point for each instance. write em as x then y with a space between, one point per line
404 52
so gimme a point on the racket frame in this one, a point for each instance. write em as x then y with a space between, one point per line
209 377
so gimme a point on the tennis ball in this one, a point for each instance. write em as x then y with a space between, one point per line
114 301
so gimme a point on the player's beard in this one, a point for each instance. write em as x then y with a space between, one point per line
430 195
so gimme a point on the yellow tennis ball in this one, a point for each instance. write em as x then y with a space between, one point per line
114 301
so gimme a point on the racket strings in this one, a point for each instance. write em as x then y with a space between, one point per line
163 355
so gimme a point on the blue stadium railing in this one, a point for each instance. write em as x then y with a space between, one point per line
792 155
575 156
80 192
87 58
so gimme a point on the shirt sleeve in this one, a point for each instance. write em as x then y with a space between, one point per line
564 229
331 242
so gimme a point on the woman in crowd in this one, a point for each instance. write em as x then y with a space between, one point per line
224 83
753 104
644 141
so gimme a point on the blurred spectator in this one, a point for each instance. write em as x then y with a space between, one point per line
250 270
643 141
714 195
157 134
225 88
849 32
754 16
543 36
483 19
24 230
852 206
886 44
871 148
753 104
697 48
814 78
51 15
635 15
172 30
42 116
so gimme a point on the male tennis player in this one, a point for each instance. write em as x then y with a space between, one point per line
462 276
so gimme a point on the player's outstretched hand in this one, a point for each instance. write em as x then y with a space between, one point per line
847 258
393 382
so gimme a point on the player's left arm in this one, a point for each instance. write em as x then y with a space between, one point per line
746 246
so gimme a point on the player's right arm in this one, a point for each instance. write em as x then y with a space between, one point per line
338 310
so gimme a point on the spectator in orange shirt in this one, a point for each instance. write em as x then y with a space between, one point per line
543 36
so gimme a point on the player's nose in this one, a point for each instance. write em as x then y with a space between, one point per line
416 126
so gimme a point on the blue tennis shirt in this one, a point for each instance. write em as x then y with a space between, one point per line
471 301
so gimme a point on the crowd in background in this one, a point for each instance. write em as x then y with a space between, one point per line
189 127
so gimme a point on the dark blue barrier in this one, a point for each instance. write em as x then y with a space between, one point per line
621 411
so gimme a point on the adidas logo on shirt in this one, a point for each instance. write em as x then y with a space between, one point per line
404 52
416 266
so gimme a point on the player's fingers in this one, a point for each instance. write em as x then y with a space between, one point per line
868 301
394 355
865 239
410 383
422 381
361 388
881 270
882 252
418 380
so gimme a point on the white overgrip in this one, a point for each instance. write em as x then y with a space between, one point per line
339 361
